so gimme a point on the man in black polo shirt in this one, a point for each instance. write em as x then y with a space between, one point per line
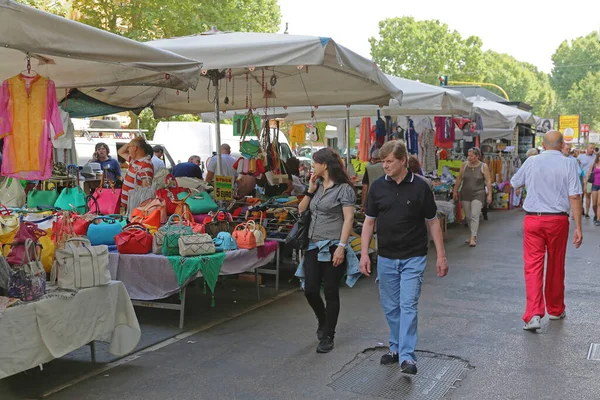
403 206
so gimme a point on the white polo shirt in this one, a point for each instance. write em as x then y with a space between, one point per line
550 179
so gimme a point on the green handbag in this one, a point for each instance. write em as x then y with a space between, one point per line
172 232
200 202
72 198
42 198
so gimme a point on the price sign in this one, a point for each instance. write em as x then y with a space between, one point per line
223 187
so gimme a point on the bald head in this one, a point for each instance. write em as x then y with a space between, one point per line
553 140
225 149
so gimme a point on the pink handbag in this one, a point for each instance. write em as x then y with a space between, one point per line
109 199
27 230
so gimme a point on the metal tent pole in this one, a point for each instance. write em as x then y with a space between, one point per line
348 158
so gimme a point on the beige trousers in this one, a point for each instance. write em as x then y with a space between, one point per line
472 213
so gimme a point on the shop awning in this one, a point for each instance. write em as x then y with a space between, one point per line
264 69
499 116
417 99
77 55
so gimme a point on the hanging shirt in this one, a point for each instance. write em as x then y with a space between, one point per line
28 107
444 132
412 138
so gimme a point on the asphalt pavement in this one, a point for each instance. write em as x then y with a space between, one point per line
473 314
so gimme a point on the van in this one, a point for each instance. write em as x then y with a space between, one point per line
185 139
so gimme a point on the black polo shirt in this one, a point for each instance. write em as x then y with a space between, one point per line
401 211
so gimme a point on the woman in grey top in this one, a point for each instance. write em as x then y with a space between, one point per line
331 199
474 176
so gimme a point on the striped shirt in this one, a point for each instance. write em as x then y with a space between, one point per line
137 172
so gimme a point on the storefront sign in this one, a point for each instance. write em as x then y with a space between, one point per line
223 187
241 121
569 127
585 128
543 125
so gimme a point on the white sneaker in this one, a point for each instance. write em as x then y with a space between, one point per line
555 317
533 324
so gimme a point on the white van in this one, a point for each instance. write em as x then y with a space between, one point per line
185 139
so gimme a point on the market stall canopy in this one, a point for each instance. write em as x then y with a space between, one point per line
77 55
417 99
499 116
283 70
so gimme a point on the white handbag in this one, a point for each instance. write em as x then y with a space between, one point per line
12 193
198 244
157 242
190 183
81 266
259 232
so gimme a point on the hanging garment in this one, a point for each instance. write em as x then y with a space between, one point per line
428 154
444 132
28 107
411 136
64 146
365 140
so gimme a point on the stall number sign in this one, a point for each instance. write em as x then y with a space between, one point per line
223 187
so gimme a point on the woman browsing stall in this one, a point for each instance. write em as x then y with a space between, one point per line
474 176
330 199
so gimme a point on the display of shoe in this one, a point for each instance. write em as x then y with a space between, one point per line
390 358
409 367
557 317
533 324
325 345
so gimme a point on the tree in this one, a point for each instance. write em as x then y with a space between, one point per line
584 99
573 61
156 19
424 50
62 8
522 82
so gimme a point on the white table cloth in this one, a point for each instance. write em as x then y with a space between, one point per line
151 276
38 332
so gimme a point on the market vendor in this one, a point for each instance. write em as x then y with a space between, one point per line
138 153
107 163
295 186
190 169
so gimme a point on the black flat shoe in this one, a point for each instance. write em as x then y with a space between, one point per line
325 345
409 367
390 358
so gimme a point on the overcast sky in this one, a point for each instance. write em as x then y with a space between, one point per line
529 30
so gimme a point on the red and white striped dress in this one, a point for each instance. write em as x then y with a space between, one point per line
138 171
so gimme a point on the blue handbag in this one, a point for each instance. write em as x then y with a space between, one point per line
225 242
103 230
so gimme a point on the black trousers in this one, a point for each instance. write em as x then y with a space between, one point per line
315 273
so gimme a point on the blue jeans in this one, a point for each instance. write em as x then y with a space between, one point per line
399 289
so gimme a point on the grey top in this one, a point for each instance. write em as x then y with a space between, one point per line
327 217
473 184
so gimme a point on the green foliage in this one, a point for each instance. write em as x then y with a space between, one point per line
573 61
522 82
424 50
147 121
62 8
154 19
584 99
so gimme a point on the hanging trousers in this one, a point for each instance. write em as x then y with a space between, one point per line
545 239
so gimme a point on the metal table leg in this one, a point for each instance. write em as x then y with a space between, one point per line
257 285
182 310
277 268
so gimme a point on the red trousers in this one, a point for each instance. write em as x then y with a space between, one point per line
545 234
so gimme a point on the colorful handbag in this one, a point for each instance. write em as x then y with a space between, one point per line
219 222
102 231
9 224
169 235
258 231
199 202
224 242
170 193
43 197
108 199
183 209
27 280
150 213
12 193
27 231
198 244
244 237
134 239
72 199
139 194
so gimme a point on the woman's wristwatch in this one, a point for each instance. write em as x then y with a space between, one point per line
310 194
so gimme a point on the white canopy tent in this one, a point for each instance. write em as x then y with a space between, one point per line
261 69
500 116
417 99
77 55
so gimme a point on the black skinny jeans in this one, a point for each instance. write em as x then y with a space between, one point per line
316 272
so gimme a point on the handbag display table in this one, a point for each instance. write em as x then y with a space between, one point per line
150 277
35 333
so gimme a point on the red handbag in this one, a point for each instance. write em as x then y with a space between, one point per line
108 199
27 230
134 239
170 193
244 237
69 224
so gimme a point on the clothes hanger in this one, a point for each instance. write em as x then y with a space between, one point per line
28 71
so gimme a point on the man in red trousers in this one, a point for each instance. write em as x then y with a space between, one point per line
553 186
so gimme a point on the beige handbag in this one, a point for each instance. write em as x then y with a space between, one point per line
198 244
259 232
83 266
12 193
157 242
